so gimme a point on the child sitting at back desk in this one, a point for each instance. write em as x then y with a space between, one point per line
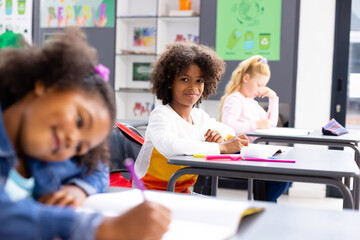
183 75
239 110
56 113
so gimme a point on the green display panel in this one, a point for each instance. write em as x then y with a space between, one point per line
248 27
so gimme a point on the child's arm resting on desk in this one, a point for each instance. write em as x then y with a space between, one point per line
77 185
96 182
27 219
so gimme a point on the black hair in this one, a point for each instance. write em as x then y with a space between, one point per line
66 61
176 58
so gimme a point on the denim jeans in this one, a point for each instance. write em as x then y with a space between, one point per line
276 189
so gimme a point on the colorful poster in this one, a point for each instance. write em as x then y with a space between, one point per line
139 106
82 13
248 27
16 16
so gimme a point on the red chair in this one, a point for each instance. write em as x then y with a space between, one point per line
125 142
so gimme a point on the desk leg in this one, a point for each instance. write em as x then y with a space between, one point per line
214 185
250 188
356 180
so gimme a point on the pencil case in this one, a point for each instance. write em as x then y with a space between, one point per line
334 128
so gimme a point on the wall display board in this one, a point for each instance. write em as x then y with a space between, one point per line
16 16
82 13
248 27
52 16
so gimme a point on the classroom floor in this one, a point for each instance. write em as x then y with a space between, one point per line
300 194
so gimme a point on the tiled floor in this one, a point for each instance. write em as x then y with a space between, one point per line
300 194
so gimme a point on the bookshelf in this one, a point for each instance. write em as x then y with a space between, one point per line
143 28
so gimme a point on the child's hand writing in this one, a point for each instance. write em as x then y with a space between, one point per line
153 218
233 145
69 195
213 136
263 124
267 92
245 138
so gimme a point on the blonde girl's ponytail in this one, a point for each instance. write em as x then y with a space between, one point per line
251 66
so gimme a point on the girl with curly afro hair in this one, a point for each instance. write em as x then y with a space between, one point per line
183 75
56 114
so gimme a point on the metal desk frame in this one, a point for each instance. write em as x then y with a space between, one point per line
314 138
313 173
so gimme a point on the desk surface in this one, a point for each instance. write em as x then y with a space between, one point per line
283 222
316 135
309 162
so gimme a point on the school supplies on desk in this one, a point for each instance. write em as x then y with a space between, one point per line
260 151
232 157
193 217
334 128
268 160
237 157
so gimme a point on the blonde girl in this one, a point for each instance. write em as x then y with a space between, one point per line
238 108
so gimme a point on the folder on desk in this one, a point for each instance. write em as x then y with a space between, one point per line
193 217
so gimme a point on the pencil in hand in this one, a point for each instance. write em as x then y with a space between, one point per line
129 164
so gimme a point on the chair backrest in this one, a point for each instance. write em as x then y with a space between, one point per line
125 142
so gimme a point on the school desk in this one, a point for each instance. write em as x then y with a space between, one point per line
281 221
312 165
284 222
315 137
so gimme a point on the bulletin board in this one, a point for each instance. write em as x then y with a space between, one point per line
91 14
248 27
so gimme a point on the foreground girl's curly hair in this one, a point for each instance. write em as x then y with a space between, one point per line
65 62
176 58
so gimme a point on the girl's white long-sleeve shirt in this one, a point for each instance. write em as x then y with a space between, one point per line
168 135
241 113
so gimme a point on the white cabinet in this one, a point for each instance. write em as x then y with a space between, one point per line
143 28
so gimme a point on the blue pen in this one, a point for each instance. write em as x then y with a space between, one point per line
129 164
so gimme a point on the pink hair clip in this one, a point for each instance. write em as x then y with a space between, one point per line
103 71
263 60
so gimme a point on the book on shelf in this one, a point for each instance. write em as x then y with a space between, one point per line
193 217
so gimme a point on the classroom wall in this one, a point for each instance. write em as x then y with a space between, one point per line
314 72
315 63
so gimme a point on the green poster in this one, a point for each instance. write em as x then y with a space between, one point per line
248 27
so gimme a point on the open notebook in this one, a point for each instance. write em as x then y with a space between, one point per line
193 217
261 151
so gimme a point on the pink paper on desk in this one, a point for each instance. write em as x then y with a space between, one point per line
232 157
268 160
237 157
